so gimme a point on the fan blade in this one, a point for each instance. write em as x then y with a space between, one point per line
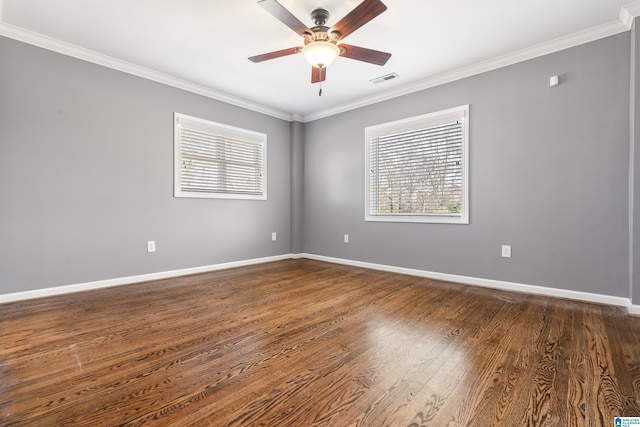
363 54
276 54
318 74
284 16
363 13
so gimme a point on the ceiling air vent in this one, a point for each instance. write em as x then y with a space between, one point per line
384 78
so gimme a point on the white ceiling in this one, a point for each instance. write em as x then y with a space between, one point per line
203 45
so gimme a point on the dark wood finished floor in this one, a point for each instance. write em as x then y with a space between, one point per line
305 343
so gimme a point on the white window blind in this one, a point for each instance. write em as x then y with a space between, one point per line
218 161
417 169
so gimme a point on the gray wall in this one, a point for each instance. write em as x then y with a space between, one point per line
634 194
549 176
86 172
297 186
86 169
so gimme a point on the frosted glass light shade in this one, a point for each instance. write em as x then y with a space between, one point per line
320 54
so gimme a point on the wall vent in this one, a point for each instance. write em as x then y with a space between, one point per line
384 78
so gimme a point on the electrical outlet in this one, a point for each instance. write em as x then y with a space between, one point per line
346 238
274 236
506 251
151 246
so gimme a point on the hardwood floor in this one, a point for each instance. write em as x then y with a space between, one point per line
306 343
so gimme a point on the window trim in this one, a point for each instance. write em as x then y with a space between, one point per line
403 125
224 130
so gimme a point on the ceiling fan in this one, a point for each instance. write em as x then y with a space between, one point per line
321 42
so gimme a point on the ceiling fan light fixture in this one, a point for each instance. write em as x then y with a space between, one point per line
320 54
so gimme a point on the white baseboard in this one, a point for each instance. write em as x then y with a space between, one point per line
495 284
47 292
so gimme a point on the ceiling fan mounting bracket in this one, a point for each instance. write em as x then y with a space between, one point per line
320 17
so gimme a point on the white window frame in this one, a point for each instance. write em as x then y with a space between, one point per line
414 123
225 132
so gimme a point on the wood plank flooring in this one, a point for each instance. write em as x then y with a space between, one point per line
306 343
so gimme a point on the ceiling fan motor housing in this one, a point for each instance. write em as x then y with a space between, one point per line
321 32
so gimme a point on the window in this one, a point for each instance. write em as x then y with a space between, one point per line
213 160
418 170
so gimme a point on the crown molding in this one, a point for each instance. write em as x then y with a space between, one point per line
552 46
294 117
627 15
39 40
628 12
